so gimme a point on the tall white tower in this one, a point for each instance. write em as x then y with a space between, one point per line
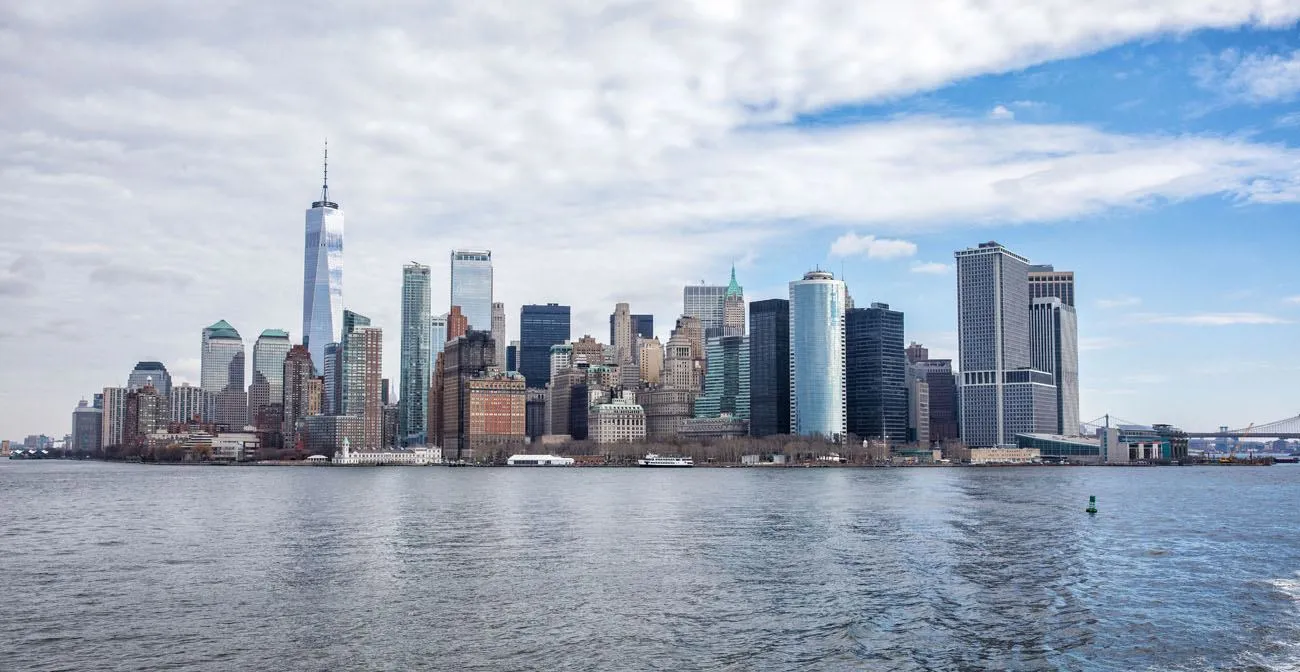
322 274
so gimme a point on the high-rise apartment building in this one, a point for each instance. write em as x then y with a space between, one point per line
345 384
150 373
146 413
733 308
471 286
769 367
87 428
222 374
464 358
266 392
322 277
621 334
726 381
297 376
416 354
457 324
588 350
876 373
189 404
1054 345
650 360
1046 282
1001 394
705 303
363 352
496 425
114 416
499 332
817 376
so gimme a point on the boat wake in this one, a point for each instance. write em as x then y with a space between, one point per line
1282 653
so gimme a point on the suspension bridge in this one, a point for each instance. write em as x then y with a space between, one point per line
1287 428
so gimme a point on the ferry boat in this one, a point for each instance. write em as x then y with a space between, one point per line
653 460
539 461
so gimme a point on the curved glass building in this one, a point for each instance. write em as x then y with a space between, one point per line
817 392
222 374
322 279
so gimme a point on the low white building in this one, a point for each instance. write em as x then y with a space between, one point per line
235 446
539 461
412 457
619 421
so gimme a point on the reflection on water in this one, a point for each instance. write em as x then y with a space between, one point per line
141 567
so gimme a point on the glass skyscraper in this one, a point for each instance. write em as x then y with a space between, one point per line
769 367
267 388
705 303
876 373
322 279
222 374
726 379
417 353
1054 344
817 391
471 286
153 373
540 327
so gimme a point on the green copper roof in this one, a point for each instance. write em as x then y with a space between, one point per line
733 289
275 333
221 329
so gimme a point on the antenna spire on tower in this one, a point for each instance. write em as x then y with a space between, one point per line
325 185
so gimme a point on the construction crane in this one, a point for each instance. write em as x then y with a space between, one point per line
1232 452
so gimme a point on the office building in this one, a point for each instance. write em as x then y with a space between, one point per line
464 358
189 404
222 374
733 308
316 396
619 421
1054 345
146 413
512 357
1001 394
944 407
438 337
621 335
769 367
87 429
682 369
540 327
561 358
917 353
706 304
390 414
332 380
363 350
457 324
1047 282
650 360
325 434
267 389
499 333
471 287
322 277
692 330
562 397
150 373
587 350
643 325
416 354
726 379
496 426
817 367
918 408
876 374
296 390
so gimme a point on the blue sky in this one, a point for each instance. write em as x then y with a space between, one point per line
156 164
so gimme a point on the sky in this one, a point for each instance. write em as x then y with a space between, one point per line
156 161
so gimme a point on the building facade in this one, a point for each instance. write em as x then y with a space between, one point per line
416 354
222 374
87 429
918 408
267 389
817 365
705 303
497 422
295 398
363 351
619 421
188 404
464 358
769 367
437 337
726 379
325 434
876 373
1054 345
540 327
650 360
471 287
1001 394
322 275
499 335
1046 282
150 373
733 308
621 334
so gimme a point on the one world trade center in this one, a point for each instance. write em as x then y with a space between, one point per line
322 275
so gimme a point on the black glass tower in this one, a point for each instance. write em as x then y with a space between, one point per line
769 367
540 327
876 373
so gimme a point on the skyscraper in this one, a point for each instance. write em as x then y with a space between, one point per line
621 336
471 286
464 358
705 303
438 338
733 308
151 373
944 408
1054 339
222 374
146 413
512 357
457 325
917 353
363 350
332 380
876 373
188 404
769 367
1001 395
540 327
417 353
114 416
298 375
817 386
726 382
650 360
267 389
643 325
322 279
87 428
499 332
1045 282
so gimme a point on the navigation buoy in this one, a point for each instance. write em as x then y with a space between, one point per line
1092 504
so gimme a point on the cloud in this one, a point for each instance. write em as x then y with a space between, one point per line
852 245
1213 319
1094 343
1119 302
931 267
1292 299
1253 78
1000 113
149 135
16 287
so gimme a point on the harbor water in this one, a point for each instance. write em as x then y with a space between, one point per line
139 567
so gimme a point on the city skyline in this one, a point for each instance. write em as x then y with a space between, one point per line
1172 134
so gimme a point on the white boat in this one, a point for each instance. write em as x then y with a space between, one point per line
539 461
653 460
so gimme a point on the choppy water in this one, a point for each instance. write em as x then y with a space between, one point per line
146 568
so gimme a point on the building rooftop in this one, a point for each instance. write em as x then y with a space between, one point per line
222 329
275 333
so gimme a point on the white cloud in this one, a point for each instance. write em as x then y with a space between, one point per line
1213 319
151 136
852 245
1001 112
931 267
1094 343
1119 302
1292 299
1255 78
